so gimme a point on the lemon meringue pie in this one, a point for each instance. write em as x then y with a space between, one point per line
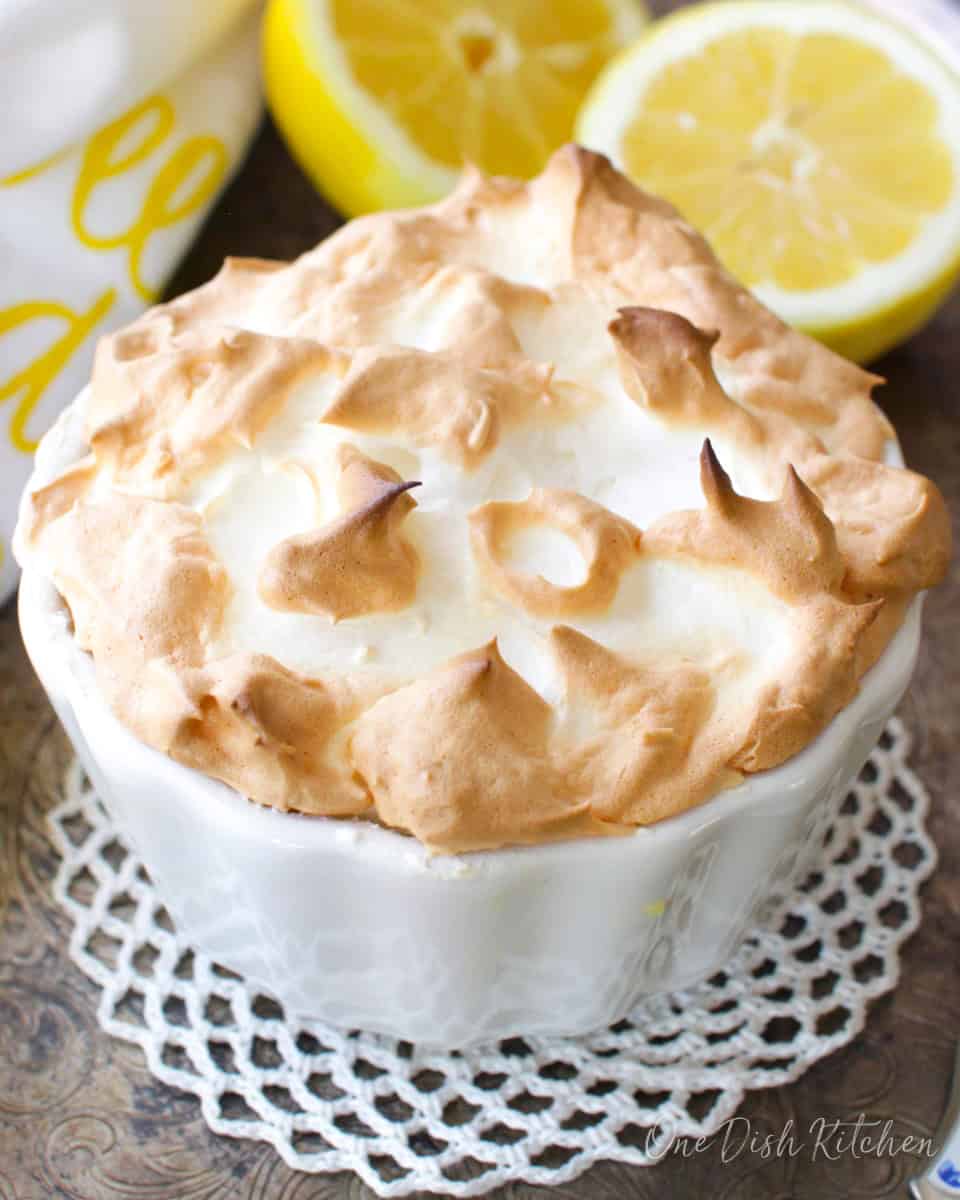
507 520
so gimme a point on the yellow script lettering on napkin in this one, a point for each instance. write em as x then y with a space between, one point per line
201 161
30 383
94 229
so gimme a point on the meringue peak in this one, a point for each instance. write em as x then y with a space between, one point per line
358 563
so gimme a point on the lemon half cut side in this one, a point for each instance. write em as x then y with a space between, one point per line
816 145
382 101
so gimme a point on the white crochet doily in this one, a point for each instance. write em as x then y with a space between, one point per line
534 1109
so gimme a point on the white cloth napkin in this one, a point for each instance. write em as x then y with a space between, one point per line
121 122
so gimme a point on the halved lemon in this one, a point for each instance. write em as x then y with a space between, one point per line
382 101
816 145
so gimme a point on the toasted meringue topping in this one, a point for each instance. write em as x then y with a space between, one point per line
647 718
572 629
463 759
358 563
607 542
789 541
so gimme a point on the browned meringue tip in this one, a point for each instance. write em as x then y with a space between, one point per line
714 481
720 494
649 720
462 760
803 499
584 662
387 498
666 366
592 172
481 661
639 328
363 482
789 544
356 564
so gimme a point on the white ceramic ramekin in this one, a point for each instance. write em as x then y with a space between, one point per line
357 925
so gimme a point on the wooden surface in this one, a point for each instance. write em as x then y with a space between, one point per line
80 1116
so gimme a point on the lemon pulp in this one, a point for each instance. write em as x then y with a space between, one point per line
815 146
384 100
